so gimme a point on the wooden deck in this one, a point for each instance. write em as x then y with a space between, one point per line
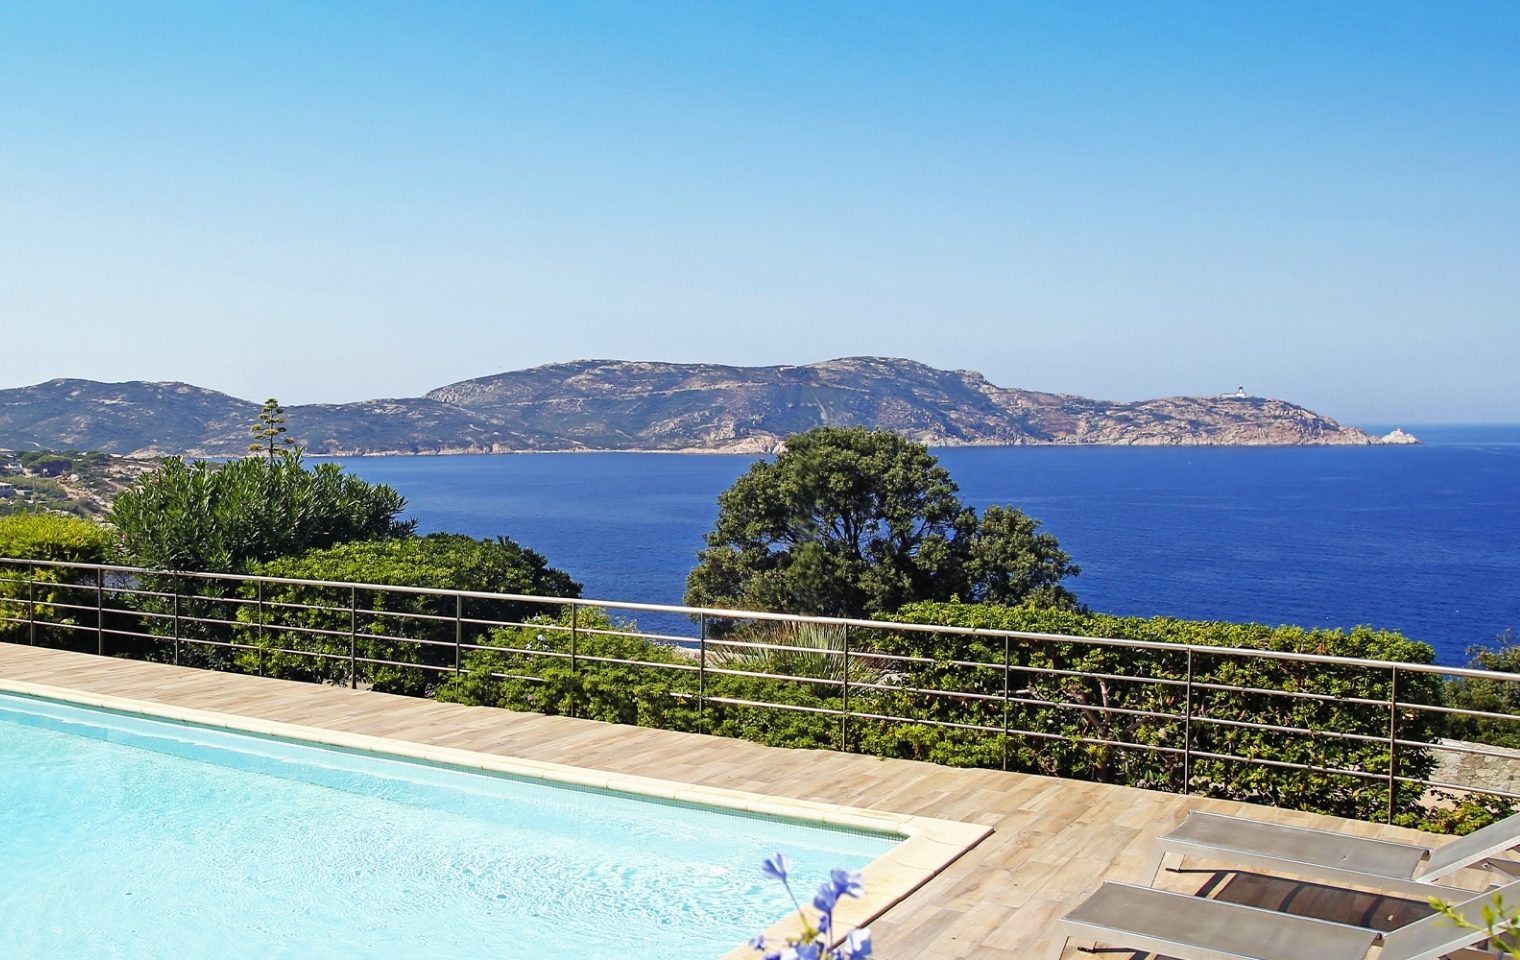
1055 840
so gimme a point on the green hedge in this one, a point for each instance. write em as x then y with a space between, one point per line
1068 714
405 628
47 536
912 675
532 670
568 666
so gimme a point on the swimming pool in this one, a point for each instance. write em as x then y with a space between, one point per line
132 837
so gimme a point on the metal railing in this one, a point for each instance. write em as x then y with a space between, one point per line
1346 735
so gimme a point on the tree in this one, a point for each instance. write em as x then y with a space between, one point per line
269 430
852 522
225 518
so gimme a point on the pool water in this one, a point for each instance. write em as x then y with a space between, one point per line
123 836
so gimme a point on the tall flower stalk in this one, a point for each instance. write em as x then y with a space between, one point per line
814 941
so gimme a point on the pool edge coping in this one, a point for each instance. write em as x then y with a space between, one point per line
928 845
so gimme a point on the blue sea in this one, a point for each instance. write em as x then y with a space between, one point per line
1425 540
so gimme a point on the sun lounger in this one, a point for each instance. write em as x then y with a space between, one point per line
1401 868
1192 928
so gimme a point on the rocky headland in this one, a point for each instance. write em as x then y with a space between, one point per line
639 406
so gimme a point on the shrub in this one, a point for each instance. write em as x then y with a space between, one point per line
581 665
1490 696
46 536
742 663
1124 718
397 626
228 518
1091 712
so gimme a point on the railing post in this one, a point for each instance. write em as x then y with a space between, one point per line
259 593
31 604
701 673
100 612
1393 740
458 630
1187 729
1007 690
844 717
176 619
353 638
575 665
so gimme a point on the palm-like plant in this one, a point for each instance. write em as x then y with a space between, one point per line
812 650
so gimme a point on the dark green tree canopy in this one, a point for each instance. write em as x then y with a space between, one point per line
853 522
225 518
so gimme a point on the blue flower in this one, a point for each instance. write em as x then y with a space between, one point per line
859 943
846 883
826 898
779 867
814 944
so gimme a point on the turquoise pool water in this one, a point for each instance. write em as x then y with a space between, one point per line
127 837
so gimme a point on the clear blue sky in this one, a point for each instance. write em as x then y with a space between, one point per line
336 201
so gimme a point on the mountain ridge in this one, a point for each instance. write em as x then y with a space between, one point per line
626 405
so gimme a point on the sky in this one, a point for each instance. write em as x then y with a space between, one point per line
327 201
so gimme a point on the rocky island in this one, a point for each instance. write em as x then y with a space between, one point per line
623 405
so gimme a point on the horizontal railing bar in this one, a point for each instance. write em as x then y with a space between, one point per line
1017 731
1464 788
678 667
233 645
319 654
783 647
1289 765
664 638
1304 731
1289 694
731 672
790 707
377 662
1450 746
1459 711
